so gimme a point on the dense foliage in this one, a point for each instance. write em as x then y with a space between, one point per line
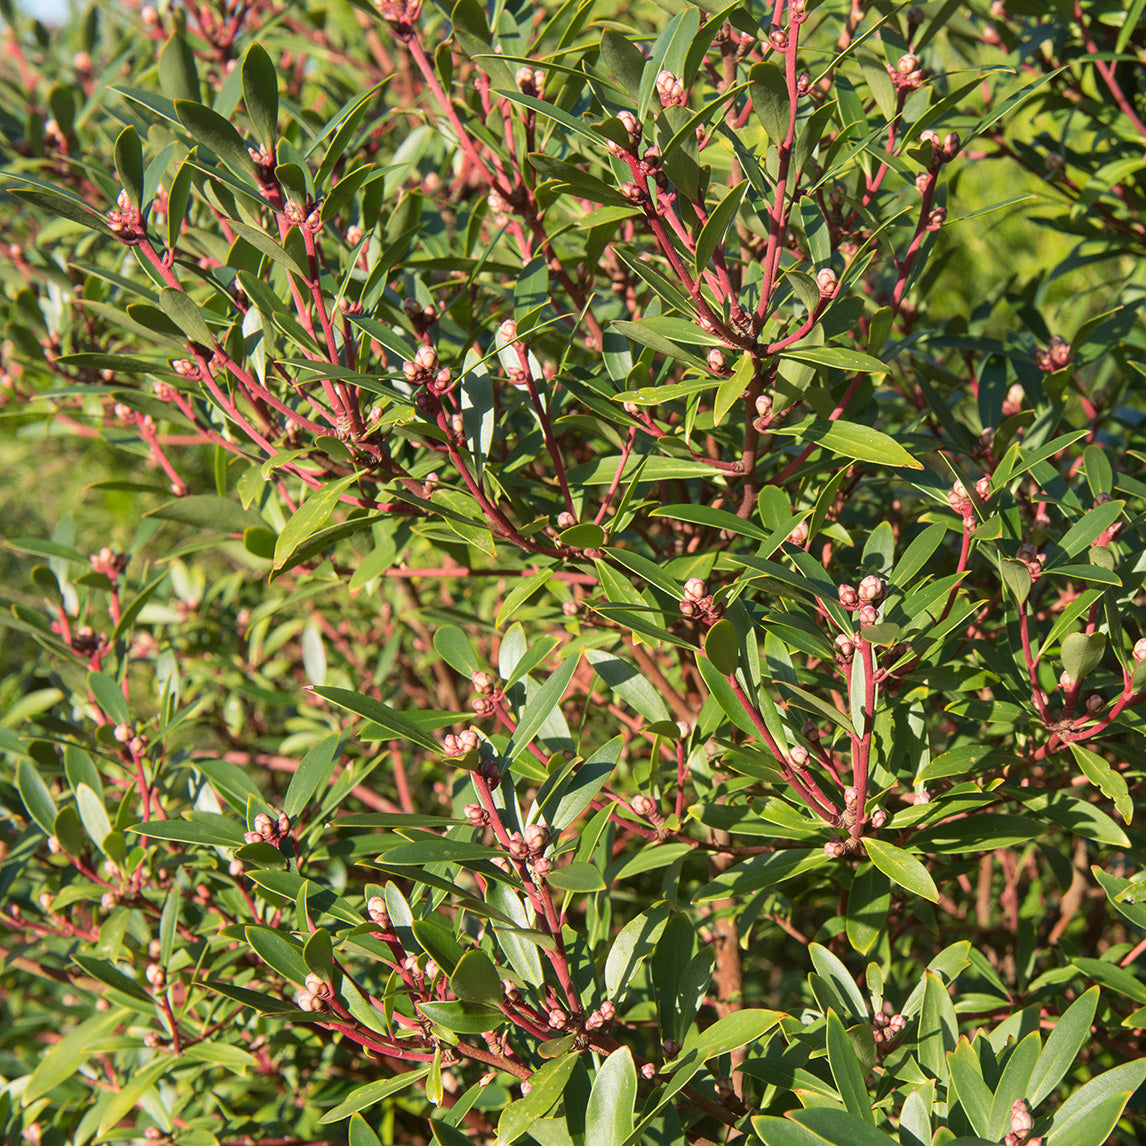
573 574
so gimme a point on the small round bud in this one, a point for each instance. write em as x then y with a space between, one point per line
923 796
517 846
827 282
316 986
872 590
835 849
124 733
537 837
648 1071
799 756
851 796
426 358
1140 649
1094 704
644 806
541 866
693 589
724 1086
156 976
54 845
569 608
878 818
526 1087
263 825
557 1018
508 331
845 648
716 362
799 535
376 910
483 682
565 520
848 596
523 77
1065 681
235 868
607 1010
868 615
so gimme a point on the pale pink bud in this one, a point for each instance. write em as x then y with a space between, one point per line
565 520
376 910
316 986
541 866
799 535
508 331
693 589
608 1010
1140 649
644 806
845 648
868 615
1064 680
798 756
557 1018
537 837
826 281
648 1071
872 590
848 596
483 682
156 976
878 818
124 733
715 361
517 846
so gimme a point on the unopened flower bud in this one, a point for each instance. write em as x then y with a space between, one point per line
848 596
693 589
834 849
878 818
263 825
763 405
644 806
569 608
1022 1121
376 910
798 756
845 648
557 1018
508 331
1065 681
1140 649
541 866
715 361
872 590
827 282
648 1071
517 846
565 520
537 837
426 358
1094 704
124 733
483 682
799 535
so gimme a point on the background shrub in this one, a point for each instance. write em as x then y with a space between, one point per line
573 574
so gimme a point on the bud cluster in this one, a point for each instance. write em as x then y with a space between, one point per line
961 502
670 89
1022 1123
461 743
268 830
87 642
942 150
646 807
423 371
376 910
1031 558
602 1017
907 75
1055 356
125 220
529 81
108 562
401 15
698 603
887 1028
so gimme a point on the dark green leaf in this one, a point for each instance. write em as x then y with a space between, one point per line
261 95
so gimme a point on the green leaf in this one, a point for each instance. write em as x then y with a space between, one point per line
733 1031
178 76
541 706
722 646
1089 528
837 357
206 828
93 815
265 245
475 979
713 232
525 588
938 1027
852 440
123 1101
609 1114
869 902
1102 775
630 685
1082 653
546 1088
64 206
819 1125
109 696
902 868
35 795
636 941
644 335
846 1069
185 313
973 1093
360 1133
1014 1084
213 132
313 769
577 878
1090 1114
129 164
1017 578
60 1061
309 518
279 951
381 714
206 511
770 102
1071 1033
372 1093
624 59
732 388
832 968
261 95
463 1018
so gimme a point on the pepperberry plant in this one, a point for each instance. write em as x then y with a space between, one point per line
573 573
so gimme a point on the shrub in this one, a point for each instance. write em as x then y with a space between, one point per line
606 609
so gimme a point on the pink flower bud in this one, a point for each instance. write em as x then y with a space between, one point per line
1064 680
541 866
1140 649
565 520
845 648
872 590
827 282
517 846
483 682
644 806
537 837
557 1018
868 615
569 608
851 795
763 406
376 910
878 818
508 331
648 1071
693 589
715 361
848 596
798 756
156 976
1094 704
799 535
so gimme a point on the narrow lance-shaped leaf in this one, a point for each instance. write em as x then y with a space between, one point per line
261 95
